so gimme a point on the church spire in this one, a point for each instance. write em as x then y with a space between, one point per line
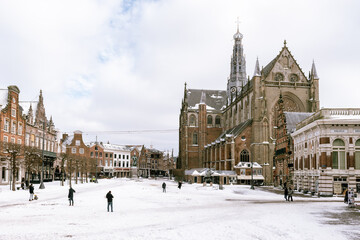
313 71
237 67
257 72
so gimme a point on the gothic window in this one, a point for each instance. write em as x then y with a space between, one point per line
357 154
244 156
279 77
217 121
209 120
338 154
192 120
195 139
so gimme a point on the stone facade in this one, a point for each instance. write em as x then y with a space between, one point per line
327 152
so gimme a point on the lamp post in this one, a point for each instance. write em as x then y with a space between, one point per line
252 173
42 186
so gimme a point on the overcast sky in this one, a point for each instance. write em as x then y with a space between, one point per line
121 65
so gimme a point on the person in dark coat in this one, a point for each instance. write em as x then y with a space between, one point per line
286 192
71 196
179 184
31 191
164 187
109 197
290 194
346 197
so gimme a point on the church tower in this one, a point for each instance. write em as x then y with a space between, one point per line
237 77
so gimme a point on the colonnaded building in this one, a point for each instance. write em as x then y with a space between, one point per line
222 132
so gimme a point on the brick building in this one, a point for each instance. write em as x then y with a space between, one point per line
252 101
12 129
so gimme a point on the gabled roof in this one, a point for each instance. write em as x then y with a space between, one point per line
293 118
214 99
267 69
235 131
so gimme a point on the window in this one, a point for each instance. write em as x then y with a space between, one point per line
100 154
217 120
127 164
81 151
13 127
127 156
115 156
110 155
209 120
20 129
357 154
77 142
106 163
6 125
73 150
192 120
244 156
195 139
338 155
106 155
12 140
19 141
91 154
27 140
6 139
111 163
96 154
123 156
13 112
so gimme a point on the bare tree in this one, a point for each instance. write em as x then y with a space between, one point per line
70 166
64 157
32 160
13 153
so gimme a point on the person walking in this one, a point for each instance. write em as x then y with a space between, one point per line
71 196
164 187
290 194
109 197
31 191
346 197
179 184
286 192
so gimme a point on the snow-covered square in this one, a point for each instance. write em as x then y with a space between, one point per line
143 211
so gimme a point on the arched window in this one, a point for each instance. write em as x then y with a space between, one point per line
192 120
244 156
338 154
218 121
357 154
209 120
195 138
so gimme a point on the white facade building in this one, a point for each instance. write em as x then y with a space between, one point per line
117 160
327 152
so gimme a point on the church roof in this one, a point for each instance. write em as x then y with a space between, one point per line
267 69
214 99
235 131
293 118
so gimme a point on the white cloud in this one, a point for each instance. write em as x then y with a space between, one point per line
113 65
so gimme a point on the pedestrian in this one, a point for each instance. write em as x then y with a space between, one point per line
27 184
286 192
164 187
31 191
179 184
290 194
346 197
71 196
23 183
109 197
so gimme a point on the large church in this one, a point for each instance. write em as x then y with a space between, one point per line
232 132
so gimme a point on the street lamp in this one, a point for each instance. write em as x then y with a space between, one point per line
252 173
42 186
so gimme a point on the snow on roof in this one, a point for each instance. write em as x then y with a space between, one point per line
214 99
109 146
247 165
293 118
26 106
3 98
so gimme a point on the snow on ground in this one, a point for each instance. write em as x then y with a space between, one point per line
142 211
